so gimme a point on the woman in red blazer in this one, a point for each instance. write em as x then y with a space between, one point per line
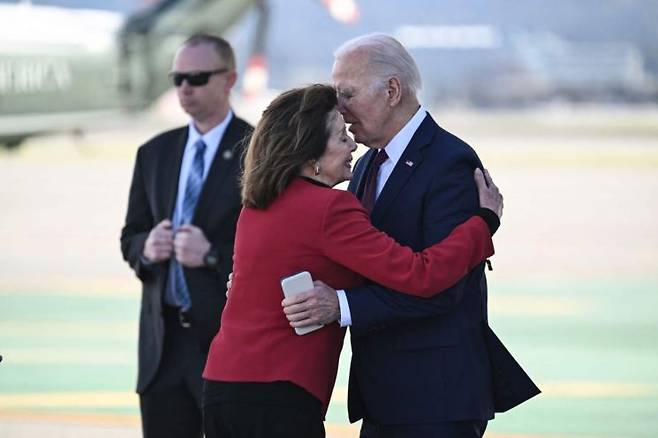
262 379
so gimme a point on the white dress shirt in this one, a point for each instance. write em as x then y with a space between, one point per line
394 149
212 139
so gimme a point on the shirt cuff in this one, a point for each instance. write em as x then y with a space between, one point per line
345 315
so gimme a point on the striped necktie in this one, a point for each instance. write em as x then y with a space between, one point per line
190 200
194 183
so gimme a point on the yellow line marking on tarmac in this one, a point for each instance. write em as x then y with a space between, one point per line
78 356
74 399
132 420
82 330
527 435
352 431
126 399
73 284
339 396
581 389
91 419
342 430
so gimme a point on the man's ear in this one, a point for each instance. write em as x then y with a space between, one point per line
394 90
231 79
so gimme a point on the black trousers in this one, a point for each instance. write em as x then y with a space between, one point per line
448 429
260 410
171 405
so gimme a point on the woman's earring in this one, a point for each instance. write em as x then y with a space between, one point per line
317 168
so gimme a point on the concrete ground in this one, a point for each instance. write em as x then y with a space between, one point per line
572 294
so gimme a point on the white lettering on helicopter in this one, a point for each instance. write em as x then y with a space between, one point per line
27 76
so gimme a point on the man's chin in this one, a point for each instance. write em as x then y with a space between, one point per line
187 107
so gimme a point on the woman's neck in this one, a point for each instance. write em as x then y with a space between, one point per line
318 178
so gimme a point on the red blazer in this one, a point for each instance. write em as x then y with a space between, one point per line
328 233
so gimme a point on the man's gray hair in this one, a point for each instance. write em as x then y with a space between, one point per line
387 57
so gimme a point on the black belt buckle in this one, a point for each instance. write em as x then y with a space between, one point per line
185 318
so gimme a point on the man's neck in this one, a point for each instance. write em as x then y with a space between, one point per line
203 126
398 121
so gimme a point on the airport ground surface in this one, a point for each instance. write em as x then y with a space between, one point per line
573 294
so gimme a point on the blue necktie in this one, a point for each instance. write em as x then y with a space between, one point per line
192 192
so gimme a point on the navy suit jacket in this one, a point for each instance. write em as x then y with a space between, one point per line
428 360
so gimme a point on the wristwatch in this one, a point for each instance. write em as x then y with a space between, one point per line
211 259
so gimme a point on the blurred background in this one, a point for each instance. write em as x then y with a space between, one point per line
559 98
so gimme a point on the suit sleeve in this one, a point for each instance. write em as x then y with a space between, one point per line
222 244
450 200
351 240
139 222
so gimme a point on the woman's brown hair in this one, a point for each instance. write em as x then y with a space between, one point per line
292 131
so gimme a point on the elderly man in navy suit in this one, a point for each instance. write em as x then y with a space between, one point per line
420 368
178 236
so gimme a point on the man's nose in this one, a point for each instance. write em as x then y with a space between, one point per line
185 87
342 108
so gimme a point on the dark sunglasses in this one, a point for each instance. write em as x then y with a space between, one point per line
196 79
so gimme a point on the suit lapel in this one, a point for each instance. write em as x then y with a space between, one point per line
405 167
172 166
219 169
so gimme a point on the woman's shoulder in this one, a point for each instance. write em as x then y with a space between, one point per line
326 207
321 194
320 201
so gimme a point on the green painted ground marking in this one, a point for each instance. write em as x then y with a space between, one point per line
598 364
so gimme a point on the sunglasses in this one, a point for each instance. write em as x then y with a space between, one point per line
196 79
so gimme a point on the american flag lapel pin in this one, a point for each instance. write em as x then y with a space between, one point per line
409 163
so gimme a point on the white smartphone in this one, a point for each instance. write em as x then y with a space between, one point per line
296 284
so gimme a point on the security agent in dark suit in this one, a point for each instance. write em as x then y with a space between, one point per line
178 237
420 368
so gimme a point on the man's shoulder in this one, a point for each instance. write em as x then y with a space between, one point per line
241 124
445 146
164 139
238 132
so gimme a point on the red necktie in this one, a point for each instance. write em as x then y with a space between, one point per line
370 186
